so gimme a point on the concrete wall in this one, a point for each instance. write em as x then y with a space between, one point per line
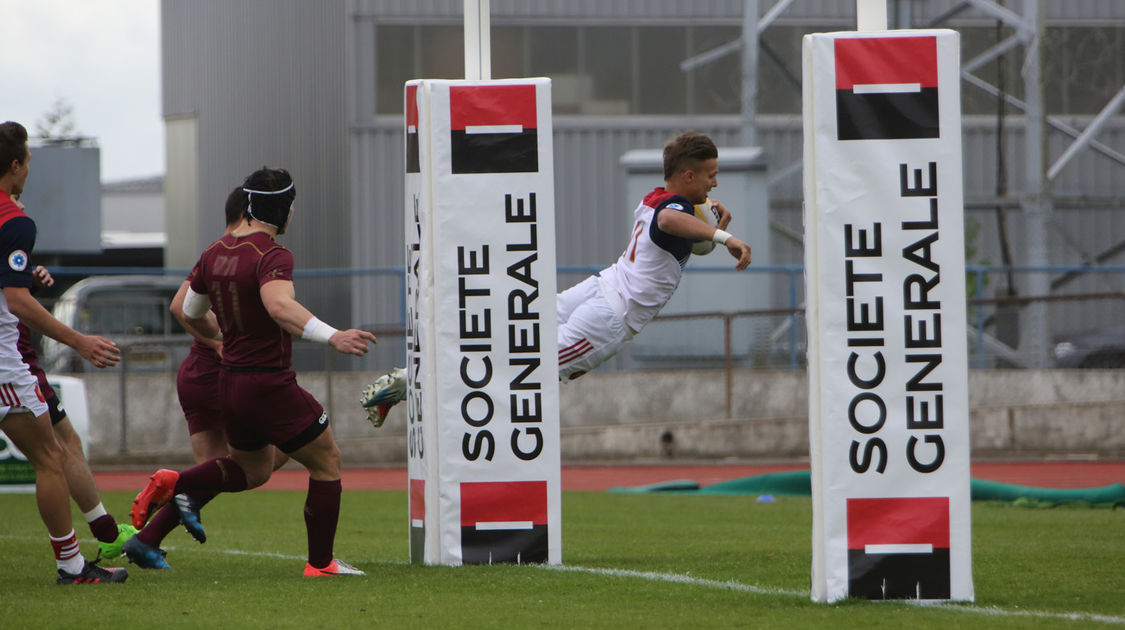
655 416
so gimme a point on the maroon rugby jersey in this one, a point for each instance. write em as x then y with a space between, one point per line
198 348
230 272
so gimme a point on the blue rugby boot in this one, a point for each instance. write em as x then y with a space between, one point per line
143 555
189 516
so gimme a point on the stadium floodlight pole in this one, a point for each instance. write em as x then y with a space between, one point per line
478 43
871 15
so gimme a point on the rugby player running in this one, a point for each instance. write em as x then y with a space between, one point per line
246 277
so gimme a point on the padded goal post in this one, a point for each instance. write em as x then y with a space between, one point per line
482 395
885 273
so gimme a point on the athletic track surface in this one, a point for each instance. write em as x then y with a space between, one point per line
1043 474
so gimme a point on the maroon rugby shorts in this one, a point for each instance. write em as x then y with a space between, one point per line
197 384
269 408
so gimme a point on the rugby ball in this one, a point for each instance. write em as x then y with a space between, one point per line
709 214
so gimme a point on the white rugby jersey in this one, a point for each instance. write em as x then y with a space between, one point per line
650 268
17 238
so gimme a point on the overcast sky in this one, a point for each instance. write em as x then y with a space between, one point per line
103 58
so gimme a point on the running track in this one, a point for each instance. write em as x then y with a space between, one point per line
1044 474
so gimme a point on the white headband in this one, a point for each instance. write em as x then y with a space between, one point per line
268 192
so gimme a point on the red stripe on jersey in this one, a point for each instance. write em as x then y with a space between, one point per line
571 346
9 396
572 354
657 197
8 208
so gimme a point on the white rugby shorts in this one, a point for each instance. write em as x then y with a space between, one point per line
19 393
591 327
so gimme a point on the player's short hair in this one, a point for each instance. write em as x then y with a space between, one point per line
236 205
686 152
13 145
269 195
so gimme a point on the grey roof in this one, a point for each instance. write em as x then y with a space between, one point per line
143 185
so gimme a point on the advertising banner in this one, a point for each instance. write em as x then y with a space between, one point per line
483 401
16 473
885 273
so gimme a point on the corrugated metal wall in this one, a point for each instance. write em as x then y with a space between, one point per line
266 82
710 11
592 215
293 83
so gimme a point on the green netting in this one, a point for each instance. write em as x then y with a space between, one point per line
983 490
791 483
679 485
796 483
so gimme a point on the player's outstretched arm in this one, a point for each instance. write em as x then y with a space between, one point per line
739 250
684 225
99 351
688 226
280 301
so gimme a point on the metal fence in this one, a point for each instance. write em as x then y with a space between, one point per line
1086 299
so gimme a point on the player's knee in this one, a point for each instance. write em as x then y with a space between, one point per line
68 439
46 455
332 460
326 462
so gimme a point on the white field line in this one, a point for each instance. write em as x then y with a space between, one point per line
679 578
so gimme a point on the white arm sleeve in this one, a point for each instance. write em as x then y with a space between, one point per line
196 305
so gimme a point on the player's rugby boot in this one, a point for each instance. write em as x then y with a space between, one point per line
112 550
91 573
189 516
154 495
387 391
336 568
144 556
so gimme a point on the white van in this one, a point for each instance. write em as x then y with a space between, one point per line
132 311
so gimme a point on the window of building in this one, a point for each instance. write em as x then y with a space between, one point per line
635 70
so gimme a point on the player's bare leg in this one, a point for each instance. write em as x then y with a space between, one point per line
208 444
33 436
110 534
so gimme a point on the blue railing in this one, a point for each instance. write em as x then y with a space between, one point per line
793 275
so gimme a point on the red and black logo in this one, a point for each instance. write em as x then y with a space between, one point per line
898 548
493 129
503 521
886 88
417 520
412 165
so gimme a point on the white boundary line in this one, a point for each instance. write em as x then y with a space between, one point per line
992 611
680 578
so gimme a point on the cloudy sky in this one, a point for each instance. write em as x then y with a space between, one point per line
103 58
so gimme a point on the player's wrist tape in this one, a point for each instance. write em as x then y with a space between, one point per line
316 330
721 237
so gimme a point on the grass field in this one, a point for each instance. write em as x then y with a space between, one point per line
630 561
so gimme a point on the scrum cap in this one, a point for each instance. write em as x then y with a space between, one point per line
270 194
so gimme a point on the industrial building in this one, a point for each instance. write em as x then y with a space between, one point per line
317 88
